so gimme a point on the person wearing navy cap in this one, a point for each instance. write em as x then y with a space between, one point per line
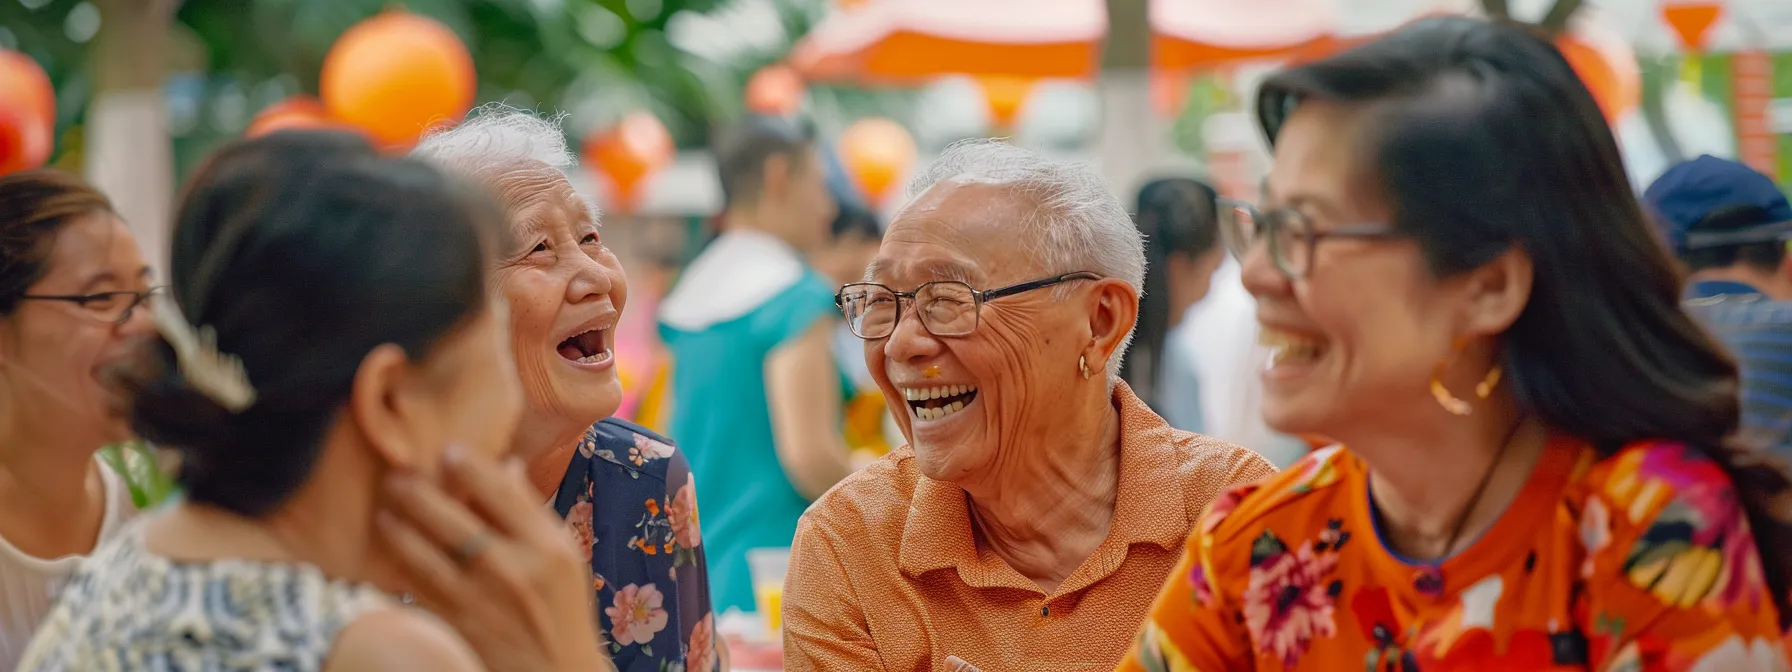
1729 225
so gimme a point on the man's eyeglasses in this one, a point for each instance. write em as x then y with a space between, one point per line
114 307
1290 235
947 308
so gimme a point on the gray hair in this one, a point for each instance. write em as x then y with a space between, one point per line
1079 225
498 141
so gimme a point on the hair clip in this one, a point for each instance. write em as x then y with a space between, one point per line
218 376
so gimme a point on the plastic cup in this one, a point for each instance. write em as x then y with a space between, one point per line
768 567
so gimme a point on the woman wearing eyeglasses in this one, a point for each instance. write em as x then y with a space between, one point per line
1536 469
71 278
1039 502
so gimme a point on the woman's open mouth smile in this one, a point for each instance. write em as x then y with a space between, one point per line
940 401
589 348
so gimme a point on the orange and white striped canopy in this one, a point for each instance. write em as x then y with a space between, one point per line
910 41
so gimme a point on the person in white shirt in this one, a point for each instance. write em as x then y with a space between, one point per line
1219 334
73 294
1195 358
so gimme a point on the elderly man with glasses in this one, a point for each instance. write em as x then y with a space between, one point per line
1039 504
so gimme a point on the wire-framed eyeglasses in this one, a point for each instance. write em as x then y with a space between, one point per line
114 307
947 308
1290 235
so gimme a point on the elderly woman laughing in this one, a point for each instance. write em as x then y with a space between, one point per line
626 493
1039 502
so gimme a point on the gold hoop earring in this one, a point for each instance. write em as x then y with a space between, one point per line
1082 364
1449 402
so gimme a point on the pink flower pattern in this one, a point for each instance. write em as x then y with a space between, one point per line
648 449
578 523
682 513
649 602
1288 602
637 614
700 655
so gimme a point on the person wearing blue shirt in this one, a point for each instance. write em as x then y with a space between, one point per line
1729 226
756 395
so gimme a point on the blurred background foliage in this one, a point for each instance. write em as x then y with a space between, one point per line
686 61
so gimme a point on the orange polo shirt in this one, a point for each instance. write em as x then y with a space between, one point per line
887 574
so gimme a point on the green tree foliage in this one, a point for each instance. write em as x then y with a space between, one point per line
596 58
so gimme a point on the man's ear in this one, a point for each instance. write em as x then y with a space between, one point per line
1113 309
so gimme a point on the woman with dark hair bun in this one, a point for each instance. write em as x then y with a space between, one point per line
72 285
330 333
1537 466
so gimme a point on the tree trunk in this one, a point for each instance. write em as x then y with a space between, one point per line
1132 140
130 155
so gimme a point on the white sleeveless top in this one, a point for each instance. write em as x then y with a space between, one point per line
28 585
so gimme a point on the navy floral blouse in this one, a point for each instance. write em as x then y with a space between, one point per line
630 503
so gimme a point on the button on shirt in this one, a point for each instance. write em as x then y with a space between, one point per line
1758 333
887 573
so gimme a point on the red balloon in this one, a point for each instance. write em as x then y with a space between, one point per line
24 142
24 81
27 113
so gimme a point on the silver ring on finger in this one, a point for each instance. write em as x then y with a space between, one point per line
475 545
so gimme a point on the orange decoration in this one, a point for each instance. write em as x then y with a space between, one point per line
629 152
24 143
23 80
27 113
1615 84
876 152
297 112
395 75
1005 96
1692 20
776 90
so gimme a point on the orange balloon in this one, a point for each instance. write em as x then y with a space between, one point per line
775 90
629 152
27 113
395 75
1005 96
297 112
24 141
1617 86
876 152
1692 20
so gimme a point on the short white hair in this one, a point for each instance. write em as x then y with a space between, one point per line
1079 225
497 141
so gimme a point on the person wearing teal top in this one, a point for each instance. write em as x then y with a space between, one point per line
755 391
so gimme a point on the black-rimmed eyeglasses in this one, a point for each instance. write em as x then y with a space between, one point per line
114 307
947 308
1290 235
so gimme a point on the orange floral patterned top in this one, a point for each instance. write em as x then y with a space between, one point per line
1640 561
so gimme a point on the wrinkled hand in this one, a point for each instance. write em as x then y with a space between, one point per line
495 566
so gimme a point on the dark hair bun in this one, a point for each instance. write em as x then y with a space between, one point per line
303 251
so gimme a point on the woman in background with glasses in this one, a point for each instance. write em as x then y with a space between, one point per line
71 282
1536 469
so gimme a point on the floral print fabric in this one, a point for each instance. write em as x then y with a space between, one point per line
1640 561
631 508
